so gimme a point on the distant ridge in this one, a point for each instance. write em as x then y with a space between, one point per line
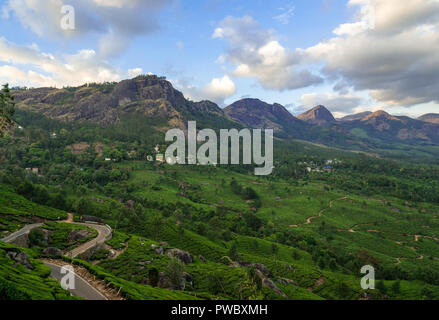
431 117
255 113
318 115
357 116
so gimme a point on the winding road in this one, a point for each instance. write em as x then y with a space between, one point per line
25 230
83 289
104 234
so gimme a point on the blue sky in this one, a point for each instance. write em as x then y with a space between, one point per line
297 53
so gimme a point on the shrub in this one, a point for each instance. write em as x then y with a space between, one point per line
174 272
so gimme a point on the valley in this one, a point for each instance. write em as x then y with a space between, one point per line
339 198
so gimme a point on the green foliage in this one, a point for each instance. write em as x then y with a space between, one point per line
7 110
396 287
153 276
381 287
233 252
19 283
174 272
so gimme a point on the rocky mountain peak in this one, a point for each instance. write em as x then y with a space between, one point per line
319 115
258 114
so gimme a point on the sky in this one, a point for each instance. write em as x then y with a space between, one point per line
349 55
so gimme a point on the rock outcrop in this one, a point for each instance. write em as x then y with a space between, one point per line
20 258
182 256
77 235
318 115
53 252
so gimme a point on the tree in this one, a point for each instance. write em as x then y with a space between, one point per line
426 293
381 287
396 287
274 249
296 255
216 282
174 272
233 252
153 276
7 110
254 277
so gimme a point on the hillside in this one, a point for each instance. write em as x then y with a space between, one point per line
147 106
301 233
431 117
255 113
107 104
357 116
385 127
318 115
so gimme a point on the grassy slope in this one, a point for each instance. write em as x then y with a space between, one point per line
15 211
284 205
20 283
396 221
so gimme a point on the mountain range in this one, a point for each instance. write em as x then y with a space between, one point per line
155 99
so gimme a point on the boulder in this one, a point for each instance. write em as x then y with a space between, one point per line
157 249
163 282
11 255
270 284
23 259
164 244
78 235
52 252
186 280
258 266
22 241
200 257
182 256
289 281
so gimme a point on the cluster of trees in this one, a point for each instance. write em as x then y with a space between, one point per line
246 193
7 110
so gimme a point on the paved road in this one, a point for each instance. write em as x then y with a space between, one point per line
104 233
82 288
25 230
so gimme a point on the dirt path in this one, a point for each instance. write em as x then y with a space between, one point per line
309 220
119 252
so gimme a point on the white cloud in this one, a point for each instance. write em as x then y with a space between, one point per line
335 102
27 65
218 90
257 53
392 50
132 73
286 15
117 21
